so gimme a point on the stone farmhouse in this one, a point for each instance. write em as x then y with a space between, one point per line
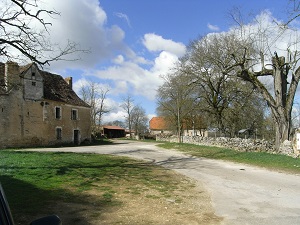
38 108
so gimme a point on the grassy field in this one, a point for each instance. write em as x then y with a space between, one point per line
262 159
35 182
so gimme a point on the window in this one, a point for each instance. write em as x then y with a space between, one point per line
33 83
33 75
74 114
58 133
58 112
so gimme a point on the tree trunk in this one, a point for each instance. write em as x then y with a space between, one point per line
282 126
281 111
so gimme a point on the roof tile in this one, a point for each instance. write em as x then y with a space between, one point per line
158 123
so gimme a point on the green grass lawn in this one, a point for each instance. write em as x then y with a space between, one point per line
262 159
34 182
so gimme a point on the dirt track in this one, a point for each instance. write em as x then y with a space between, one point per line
241 194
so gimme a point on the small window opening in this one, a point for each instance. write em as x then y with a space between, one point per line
74 114
57 112
33 83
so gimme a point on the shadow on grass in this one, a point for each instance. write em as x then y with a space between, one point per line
76 187
27 203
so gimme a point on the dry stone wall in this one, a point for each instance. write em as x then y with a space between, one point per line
239 144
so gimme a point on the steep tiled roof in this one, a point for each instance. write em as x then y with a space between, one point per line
25 67
158 123
57 89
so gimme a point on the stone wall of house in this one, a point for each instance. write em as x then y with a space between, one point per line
33 123
28 120
65 122
11 122
33 84
239 144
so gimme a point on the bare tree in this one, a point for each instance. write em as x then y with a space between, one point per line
239 57
139 120
128 106
224 98
175 99
19 35
95 95
116 123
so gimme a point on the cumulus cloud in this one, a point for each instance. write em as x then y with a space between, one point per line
85 23
213 27
156 43
86 82
113 116
128 75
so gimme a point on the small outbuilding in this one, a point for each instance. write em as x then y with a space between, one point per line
113 131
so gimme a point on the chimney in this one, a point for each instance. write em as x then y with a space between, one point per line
69 81
12 73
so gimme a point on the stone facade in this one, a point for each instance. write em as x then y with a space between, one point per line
38 108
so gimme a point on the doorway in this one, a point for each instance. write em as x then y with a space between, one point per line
76 137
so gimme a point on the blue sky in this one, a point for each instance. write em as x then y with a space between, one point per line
133 42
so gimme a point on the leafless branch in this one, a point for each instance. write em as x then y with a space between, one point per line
17 34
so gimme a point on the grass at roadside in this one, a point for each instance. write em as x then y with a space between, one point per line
34 181
262 159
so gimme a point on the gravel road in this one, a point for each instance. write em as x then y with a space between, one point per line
240 194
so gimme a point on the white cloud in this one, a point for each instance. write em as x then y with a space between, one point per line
156 43
77 85
115 111
112 116
84 23
123 16
129 76
164 62
120 87
119 59
213 27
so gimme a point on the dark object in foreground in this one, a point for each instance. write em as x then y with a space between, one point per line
48 220
7 219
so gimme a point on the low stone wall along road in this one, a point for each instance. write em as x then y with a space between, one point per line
240 194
